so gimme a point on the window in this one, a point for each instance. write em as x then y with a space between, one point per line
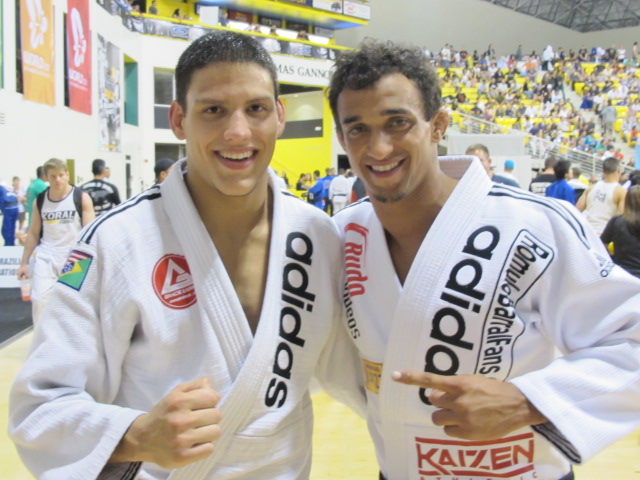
163 96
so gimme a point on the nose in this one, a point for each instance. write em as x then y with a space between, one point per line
238 128
379 146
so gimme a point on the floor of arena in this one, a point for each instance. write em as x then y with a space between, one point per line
342 449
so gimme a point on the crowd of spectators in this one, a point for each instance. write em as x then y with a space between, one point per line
530 93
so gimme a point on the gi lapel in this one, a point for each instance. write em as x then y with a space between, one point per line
412 322
219 303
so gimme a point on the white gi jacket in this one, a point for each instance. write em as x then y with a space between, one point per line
144 303
502 279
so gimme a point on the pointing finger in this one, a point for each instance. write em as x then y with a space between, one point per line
426 380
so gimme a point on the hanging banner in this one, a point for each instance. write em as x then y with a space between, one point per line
36 35
79 55
109 120
356 9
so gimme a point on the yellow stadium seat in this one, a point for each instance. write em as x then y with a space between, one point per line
617 126
622 111
578 87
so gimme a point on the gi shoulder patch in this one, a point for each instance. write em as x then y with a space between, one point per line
75 269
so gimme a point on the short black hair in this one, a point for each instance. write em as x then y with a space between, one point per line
362 68
610 165
550 161
98 166
162 165
561 168
216 47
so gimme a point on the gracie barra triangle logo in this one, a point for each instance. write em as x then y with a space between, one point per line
172 282
176 278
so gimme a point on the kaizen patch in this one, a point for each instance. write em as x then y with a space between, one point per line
75 269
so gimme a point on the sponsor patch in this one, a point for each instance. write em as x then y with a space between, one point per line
508 457
172 282
372 375
75 269
355 248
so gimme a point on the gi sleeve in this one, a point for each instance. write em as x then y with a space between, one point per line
590 309
61 417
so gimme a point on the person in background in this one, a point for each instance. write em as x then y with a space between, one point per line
315 193
9 207
578 182
162 168
482 152
35 188
339 190
330 174
509 166
303 183
605 198
58 215
104 194
22 200
561 189
545 178
622 232
153 9
358 190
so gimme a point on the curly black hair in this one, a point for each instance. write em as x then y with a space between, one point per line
362 68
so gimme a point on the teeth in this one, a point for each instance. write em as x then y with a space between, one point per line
384 168
237 156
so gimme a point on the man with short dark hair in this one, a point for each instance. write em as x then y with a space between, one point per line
561 189
104 194
162 168
545 178
605 198
188 325
482 152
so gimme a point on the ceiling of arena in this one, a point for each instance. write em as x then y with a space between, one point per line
580 15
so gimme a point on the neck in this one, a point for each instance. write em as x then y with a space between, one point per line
59 193
611 178
412 217
233 217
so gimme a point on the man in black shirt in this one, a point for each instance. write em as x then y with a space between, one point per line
105 195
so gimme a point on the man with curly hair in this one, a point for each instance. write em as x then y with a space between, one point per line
459 292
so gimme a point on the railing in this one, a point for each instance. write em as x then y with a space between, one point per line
187 30
537 147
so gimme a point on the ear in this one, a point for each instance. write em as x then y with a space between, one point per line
176 120
439 124
281 116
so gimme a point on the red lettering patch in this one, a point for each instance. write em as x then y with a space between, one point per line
504 458
354 253
172 282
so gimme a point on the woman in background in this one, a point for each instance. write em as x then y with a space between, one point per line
623 232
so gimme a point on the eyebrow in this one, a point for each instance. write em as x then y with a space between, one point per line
224 100
385 113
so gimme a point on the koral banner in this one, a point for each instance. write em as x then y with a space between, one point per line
79 55
36 26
